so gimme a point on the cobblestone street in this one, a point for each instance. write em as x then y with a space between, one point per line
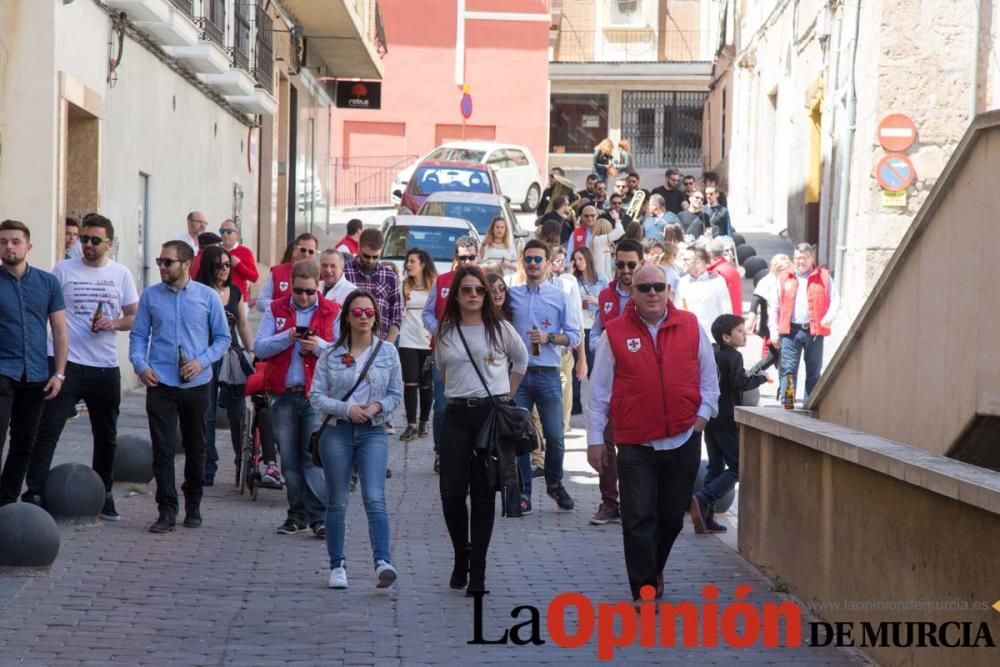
236 593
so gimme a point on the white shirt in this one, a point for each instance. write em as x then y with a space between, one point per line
602 379
190 240
767 289
83 287
707 297
412 334
338 291
800 315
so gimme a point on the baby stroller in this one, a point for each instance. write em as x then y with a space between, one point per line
258 436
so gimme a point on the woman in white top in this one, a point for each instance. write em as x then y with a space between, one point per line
764 310
415 342
497 252
603 247
494 343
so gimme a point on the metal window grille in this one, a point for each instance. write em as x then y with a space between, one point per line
665 127
241 35
264 50
213 21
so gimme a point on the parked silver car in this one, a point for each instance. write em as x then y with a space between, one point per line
435 234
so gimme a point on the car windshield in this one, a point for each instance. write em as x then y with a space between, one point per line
480 215
439 242
450 179
457 154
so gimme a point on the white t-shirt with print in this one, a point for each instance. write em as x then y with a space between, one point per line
83 287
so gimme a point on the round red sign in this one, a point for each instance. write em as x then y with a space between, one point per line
896 132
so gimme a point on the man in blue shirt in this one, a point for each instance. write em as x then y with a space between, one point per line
30 299
179 331
547 323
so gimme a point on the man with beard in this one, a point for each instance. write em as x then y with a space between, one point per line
366 272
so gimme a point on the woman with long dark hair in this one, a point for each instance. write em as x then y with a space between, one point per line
358 383
415 342
498 292
216 270
493 343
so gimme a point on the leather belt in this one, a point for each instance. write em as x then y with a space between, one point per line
541 369
476 402
296 389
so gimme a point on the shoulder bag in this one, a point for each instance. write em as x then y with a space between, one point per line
314 438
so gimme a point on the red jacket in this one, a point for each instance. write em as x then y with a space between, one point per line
284 319
246 271
352 245
281 281
442 286
668 374
817 295
733 281
608 303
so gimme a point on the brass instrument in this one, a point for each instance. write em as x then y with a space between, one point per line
563 187
635 205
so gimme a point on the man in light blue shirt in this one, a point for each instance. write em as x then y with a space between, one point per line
179 331
659 218
547 323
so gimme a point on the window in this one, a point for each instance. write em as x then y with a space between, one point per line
498 160
439 242
516 159
577 122
438 179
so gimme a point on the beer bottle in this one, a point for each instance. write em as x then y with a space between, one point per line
536 348
789 392
684 304
182 360
98 314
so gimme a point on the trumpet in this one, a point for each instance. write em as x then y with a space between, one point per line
635 205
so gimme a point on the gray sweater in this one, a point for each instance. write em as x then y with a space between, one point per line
461 380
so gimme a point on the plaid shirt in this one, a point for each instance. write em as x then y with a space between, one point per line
384 284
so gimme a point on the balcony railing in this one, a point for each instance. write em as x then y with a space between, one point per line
186 6
631 45
263 56
241 35
213 21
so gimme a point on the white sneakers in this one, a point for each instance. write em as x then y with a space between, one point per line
338 577
385 574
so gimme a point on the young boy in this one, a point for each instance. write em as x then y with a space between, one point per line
722 435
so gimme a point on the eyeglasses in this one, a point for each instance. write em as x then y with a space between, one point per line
469 290
227 231
533 259
92 240
366 313
645 287
465 258
222 265
631 265
370 258
559 262
304 290
500 288
305 251
166 261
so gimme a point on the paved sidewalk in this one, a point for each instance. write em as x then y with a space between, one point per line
236 593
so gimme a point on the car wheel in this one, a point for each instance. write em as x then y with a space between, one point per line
531 199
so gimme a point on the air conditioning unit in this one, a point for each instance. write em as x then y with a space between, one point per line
628 6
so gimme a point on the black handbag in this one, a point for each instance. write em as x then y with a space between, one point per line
314 438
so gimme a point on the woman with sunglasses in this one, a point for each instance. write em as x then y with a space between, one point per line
493 345
358 383
216 270
415 343
498 292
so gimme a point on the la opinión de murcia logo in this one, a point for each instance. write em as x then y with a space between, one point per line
737 624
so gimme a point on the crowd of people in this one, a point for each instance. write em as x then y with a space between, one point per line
629 290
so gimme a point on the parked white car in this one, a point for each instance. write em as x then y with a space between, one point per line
514 166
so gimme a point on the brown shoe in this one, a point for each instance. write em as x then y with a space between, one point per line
604 514
697 517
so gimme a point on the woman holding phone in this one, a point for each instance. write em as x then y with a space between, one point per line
471 318
357 384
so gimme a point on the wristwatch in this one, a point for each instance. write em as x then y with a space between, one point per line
550 339
62 378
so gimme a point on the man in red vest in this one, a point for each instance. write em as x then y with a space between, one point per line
655 378
294 332
349 243
466 253
807 305
278 283
611 303
734 281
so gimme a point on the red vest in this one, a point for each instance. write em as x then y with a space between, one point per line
817 295
608 303
443 286
284 319
656 391
281 281
579 240
733 281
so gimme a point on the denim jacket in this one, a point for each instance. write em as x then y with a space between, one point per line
333 379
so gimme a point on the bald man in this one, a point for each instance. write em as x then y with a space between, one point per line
197 223
583 235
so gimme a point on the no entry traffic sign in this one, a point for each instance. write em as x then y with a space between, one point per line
895 173
896 132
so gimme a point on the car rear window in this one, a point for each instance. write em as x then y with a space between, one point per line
457 155
450 179
480 215
439 242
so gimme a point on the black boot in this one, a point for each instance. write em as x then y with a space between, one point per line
461 569
477 578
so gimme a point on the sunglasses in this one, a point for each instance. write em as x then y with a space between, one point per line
227 231
559 262
465 258
222 265
166 261
469 290
305 251
499 289
533 259
645 287
370 258
304 290
366 313
631 265
92 240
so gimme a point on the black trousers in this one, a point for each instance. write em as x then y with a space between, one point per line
164 407
21 405
101 390
655 492
417 382
462 473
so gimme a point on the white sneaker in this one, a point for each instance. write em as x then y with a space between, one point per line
385 574
338 577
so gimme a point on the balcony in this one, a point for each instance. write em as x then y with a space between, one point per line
209 55
632 45
346 34
167 22
263 52
213 21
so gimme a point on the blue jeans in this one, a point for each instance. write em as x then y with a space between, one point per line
720 478
543 389
294 421
440 403
793 346
344 447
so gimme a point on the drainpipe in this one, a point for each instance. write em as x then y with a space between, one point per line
848 151
974 88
